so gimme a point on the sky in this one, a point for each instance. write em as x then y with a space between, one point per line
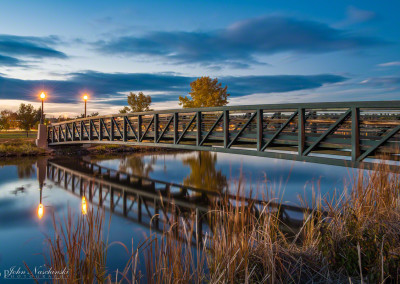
264 51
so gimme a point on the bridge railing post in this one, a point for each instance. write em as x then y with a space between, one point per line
301 131
226 128
176 126
198 126
155 127
81 133
101 129
112 127
90 130
140 123
125 129
260 126
355 133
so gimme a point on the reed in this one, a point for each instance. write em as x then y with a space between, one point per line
350 237
79 245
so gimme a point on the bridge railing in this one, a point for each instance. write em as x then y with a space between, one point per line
335 133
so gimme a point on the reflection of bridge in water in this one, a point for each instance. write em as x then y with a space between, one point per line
342 133
139 198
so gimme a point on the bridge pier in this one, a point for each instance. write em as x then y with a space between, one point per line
41 140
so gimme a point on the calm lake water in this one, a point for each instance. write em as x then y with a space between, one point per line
23 234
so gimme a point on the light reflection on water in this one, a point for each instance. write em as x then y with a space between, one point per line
22 233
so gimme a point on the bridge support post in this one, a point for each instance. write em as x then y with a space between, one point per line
41 140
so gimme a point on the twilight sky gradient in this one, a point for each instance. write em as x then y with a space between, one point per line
265 51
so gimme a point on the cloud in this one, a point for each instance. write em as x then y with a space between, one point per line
31 47
392 82
356 15
109 87
390 64
239 44
9 61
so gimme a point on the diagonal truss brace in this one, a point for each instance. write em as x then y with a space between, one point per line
212 129
129 124
242 129
280 130
331 129
379 143
165 129
186 129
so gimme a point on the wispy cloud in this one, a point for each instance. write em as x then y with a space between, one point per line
390 64
106 86
239 44
30 47
9 61
390 82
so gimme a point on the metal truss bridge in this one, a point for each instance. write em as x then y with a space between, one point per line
343 133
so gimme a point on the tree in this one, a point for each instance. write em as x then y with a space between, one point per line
82 115
8 119
137 103
205 92
125 110
27 116
4 122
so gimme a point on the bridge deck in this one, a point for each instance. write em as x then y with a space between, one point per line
331 133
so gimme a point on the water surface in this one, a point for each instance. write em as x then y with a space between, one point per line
24 183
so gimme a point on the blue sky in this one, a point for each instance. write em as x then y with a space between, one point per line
264 51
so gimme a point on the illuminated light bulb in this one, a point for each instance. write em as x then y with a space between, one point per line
40 211
84 206
85 97
42 95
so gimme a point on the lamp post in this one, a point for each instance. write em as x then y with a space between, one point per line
42 97
85 98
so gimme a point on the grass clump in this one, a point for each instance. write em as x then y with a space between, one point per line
79 246
362 235
19 147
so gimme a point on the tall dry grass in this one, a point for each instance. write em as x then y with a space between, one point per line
79 245
356 239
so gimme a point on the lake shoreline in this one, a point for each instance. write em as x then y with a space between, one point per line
15 148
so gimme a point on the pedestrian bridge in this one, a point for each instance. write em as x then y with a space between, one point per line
336 133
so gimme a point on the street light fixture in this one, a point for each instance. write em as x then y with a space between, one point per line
85 98
42 97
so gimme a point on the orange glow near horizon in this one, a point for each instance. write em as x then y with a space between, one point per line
40 211
85 97
84 205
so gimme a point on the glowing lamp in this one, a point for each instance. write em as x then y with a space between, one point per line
42 95
85 97
84 206
40 211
